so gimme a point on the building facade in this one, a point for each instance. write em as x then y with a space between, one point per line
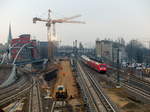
28 52
43 49
2 50
104 49
110 50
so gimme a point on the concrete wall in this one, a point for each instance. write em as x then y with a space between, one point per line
12 77
5 71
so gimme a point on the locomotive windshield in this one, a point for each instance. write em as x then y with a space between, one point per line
102 65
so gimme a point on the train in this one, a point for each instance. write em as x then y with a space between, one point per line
96 65
61 92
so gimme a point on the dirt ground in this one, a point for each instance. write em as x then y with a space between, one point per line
65 77
125 102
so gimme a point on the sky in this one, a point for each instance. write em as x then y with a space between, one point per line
104 19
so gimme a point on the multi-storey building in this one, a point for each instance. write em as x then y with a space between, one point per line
29 52
104 49
43 49
109 50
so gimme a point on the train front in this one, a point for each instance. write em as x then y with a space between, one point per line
102 68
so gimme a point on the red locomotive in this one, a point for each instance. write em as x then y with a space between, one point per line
100 67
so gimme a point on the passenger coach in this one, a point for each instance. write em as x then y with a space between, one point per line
100 67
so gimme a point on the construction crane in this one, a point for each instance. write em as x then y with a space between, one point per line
51 23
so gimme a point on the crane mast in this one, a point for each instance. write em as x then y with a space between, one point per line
49 21
50 43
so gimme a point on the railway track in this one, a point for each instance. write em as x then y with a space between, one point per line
133 84
15 87
58 106
88 93
136 85
140 83
15 95
20 87
15 91
137 90
105 100
134 78
35 104
17 104
98 99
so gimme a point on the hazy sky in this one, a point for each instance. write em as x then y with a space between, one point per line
104 18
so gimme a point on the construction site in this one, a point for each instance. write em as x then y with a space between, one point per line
70 78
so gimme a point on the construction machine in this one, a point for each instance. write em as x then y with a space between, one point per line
61 92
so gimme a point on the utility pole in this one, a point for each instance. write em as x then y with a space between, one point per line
118 67
149 51
131 51
76 49
148 57
101 49
131 72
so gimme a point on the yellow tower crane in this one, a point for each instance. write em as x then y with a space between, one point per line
51 23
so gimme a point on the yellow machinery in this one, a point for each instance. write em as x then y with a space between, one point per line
61 92
147 71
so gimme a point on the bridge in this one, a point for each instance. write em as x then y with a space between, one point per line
8 68
29 62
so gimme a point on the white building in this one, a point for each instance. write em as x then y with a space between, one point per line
109 50
104 49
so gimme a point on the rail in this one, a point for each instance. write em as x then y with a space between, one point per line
107 104
16 105
105 100
58 106
35 104
89 97
135 85
138 91
53 106
14 96
19 88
